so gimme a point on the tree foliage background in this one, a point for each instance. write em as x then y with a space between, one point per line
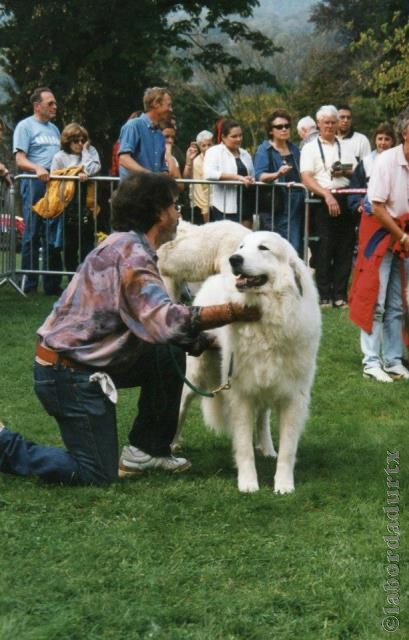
215 56
98 56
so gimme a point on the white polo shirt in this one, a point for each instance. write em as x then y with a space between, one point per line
389 181
311 161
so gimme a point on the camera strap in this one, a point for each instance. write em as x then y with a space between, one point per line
322 151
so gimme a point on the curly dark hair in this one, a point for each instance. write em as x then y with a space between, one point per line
139 200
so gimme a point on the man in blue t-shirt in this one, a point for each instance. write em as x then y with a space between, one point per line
35 142
141 141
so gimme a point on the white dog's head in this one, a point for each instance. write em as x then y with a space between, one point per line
265 259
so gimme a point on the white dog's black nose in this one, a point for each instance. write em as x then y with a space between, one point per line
236 260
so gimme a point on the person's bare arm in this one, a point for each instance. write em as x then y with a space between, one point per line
127 162
191 153
24 164
311 184
381 213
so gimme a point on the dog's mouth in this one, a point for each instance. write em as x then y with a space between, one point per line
244 281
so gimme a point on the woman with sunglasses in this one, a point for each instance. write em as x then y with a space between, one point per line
278 160
76 231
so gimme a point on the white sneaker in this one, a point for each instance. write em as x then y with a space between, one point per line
377 374
134 461
398 372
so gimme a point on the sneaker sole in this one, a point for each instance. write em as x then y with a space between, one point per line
128 472
396 376
369 377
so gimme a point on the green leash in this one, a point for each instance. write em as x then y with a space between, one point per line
206 394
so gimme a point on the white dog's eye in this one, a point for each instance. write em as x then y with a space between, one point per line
262 247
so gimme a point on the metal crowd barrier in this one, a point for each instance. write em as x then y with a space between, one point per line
8 236
258 188
47 251
45 246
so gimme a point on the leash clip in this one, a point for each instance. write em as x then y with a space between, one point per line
223 387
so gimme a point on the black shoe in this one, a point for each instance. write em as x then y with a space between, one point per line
325 303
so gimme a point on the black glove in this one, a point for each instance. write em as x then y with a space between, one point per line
202 342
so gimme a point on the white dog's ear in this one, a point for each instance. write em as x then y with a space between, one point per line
297 276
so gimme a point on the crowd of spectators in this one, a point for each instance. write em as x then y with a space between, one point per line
330 159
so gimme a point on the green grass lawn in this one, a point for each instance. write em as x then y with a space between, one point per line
189 557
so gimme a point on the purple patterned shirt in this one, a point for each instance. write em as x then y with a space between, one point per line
114 303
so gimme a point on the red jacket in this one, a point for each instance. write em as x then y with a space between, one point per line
374 241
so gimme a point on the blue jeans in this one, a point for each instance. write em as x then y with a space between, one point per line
385 345
87 420
36 233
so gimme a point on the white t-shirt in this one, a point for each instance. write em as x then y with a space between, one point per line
312 162
389 181
359 145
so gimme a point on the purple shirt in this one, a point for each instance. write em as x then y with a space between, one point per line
114 303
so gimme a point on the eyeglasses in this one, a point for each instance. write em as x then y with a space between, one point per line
281 126
78 140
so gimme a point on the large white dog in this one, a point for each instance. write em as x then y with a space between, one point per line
198 252
271 362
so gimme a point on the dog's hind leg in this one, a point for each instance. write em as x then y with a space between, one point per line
187 397
198 372
264 443
292 417
240 418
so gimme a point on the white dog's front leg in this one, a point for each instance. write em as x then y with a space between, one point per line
291 421
264 441
240 420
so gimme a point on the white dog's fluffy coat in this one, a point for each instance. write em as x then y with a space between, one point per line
273 359
198 252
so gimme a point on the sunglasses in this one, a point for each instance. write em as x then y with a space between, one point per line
78 140
281 126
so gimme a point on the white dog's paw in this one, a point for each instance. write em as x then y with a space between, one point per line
176 445
283 485
247 485
267 451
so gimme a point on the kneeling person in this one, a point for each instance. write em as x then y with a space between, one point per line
113 327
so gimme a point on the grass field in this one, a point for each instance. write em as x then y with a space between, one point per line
188 557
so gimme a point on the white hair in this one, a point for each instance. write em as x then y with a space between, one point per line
306 123
203 135
327 110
